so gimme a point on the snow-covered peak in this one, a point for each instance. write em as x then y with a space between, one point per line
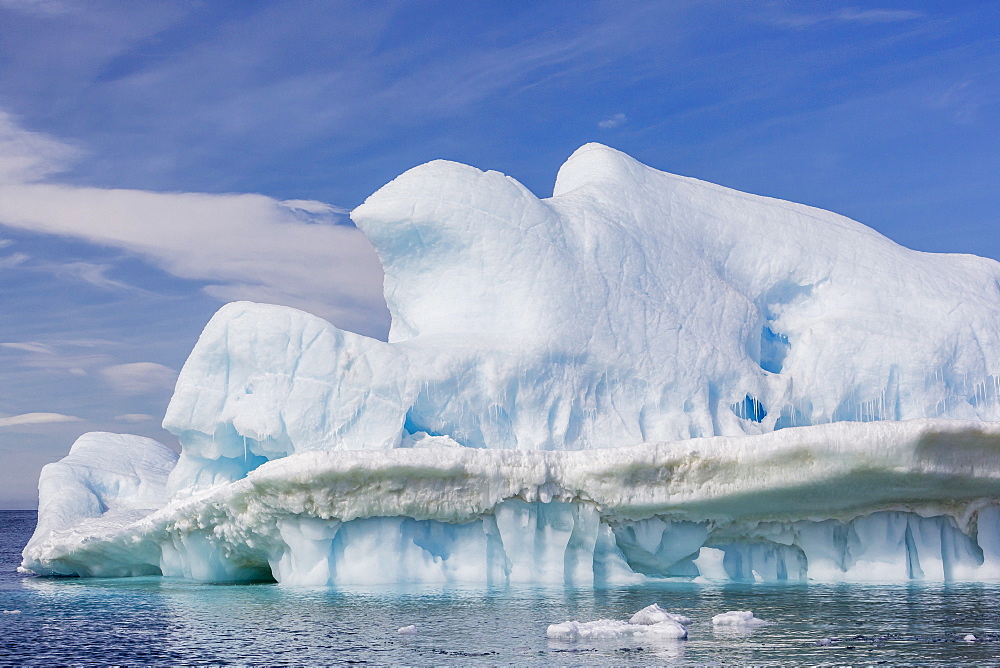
596 164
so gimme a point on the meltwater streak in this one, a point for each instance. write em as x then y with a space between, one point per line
168 621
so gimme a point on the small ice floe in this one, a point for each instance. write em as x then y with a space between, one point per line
824 642
654 614
969 638
410 630
737 619
12 612
651 622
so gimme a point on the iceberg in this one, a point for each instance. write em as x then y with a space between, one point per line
644 375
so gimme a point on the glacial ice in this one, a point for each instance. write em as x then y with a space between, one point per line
644 375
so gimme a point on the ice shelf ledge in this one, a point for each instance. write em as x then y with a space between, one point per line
843 501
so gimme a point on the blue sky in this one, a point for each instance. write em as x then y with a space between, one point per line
160 159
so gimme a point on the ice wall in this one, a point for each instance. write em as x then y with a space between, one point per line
631 306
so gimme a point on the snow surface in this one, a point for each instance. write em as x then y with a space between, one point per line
644 375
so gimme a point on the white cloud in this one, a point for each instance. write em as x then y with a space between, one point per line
139 377
295 252
615 121
134 417
43 7
314 207
848 15
36 418
853 15
94 274
26 156
13 260
28 347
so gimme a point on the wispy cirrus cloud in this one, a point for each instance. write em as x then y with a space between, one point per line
29 347
139 377
613 121
93 274
36 418
848 15
13 260
26 157
134 418
247 246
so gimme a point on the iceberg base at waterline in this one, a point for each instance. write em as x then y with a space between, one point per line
883 501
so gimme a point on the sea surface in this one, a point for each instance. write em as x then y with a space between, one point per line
162 621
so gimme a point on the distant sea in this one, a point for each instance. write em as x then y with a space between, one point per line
160 621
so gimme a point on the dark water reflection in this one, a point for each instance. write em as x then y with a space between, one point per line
163 621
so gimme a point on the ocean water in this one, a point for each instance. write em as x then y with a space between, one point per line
144 621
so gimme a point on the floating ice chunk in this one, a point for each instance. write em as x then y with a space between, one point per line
652 622
601 628
573 631
710 564
824 642
737 618
410 630
667 630
969 638
654 614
